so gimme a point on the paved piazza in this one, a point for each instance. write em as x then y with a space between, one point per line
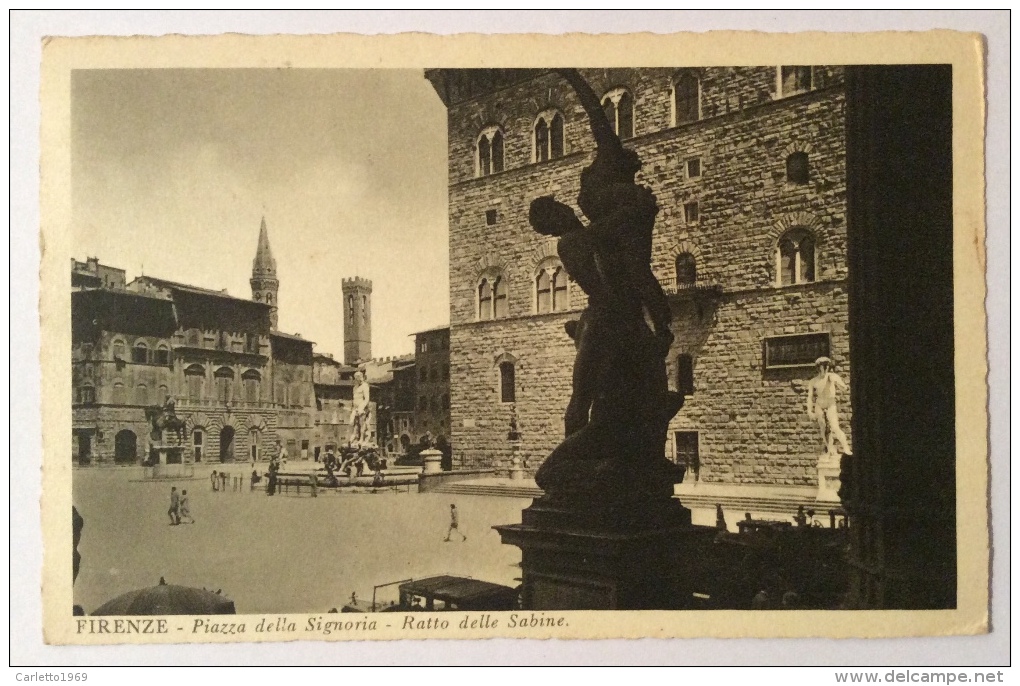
285 553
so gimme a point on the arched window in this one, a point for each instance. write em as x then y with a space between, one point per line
364 309
795 257
499 306
224 384
686 99
686 269
350 309
164 393
619 107
88 395
797 169
484 301
489 159
140 353
548 141
141 394
543 291
507 382
251 380
118 393
162 354
119 350
194 377
194 338
492 297
552 291
685 374
793 80
561 290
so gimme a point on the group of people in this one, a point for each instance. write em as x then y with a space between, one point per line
180 508
219 480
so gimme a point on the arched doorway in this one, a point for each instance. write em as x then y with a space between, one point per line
125 447
227 444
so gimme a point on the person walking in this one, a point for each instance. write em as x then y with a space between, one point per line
184 508
215 479
175 507
454 525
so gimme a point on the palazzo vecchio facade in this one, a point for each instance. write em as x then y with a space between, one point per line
748 166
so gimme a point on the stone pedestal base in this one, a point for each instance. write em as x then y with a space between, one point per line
602 556
828 478
433 460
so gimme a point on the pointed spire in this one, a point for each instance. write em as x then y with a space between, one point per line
264 264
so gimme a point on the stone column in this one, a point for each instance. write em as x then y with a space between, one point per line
899 487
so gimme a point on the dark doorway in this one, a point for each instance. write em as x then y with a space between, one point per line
125 447
227 444
84 449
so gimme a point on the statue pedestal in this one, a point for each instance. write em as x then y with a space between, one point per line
828 478
602 555
433 460
516 470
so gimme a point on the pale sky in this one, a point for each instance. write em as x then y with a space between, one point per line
173 170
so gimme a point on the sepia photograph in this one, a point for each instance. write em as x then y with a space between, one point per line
419 345
623 366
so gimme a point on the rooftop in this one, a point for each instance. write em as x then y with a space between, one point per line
187 288
445 327
289 336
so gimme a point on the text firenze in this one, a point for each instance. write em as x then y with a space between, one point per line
122 626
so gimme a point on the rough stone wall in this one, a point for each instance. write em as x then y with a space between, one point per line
752 422
103 424
102 372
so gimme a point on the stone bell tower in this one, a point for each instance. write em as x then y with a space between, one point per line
357 307
265 287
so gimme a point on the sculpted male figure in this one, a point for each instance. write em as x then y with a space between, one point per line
821 405
360 411
613 314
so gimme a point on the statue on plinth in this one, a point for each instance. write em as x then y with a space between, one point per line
821 406
164 417
616 420
360 431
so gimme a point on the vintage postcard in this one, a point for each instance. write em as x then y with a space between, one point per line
587 336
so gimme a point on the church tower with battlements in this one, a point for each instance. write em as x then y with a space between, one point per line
357 306
265 287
